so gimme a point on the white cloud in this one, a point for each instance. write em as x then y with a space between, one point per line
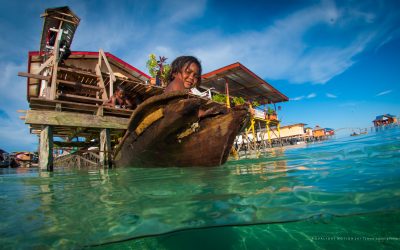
174 13
282 50
331 95
297 98
311 95
14 136
12 87
384 92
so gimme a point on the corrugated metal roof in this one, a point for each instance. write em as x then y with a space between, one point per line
242 83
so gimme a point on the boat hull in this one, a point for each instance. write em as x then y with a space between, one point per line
179 138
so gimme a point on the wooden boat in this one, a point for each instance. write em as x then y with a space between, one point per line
358 133
166 130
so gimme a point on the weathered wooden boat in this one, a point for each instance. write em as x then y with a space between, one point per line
166 130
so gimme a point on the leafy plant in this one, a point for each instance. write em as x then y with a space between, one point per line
221 98
151 65
166 69
158 68
255 104
238 100
270 111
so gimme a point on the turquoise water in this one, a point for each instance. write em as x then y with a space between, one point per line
338 193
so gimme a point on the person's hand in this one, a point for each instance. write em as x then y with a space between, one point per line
252 111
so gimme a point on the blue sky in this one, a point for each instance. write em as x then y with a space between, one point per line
337 61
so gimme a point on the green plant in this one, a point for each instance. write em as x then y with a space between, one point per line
158 68
151 65
165 73
255 104
270 111
238 100
221 98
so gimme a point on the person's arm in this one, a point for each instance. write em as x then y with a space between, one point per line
128 104
110 102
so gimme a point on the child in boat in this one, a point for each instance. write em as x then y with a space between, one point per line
185 74
119 100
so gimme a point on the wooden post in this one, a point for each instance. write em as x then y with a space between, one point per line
100 82
269 134
105 148
46 149
56 51
112 76
228 102
279 133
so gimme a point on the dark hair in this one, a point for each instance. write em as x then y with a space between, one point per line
180 62
120 89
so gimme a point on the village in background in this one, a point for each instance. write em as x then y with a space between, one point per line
66 91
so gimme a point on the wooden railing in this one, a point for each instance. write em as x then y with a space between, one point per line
78 160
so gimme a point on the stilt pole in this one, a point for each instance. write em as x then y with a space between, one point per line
46 149
105 148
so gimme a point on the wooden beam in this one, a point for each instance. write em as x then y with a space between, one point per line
112 76
104 96
82 98
40 103
45 64
65 144
64 20
46 149
110 71
35 76
65 14
78 84
105 148
70 119
78 71
53 88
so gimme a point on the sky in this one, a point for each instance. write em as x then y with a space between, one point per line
337 61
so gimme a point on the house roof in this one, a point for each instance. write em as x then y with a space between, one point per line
110 57
294 125
382 117
242 83
318 128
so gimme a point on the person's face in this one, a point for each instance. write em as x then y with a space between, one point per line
189 75
120 94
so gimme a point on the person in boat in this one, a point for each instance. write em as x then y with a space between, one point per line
185 74
119 100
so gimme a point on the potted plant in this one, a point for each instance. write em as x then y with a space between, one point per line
238 100
158 69
271 114
220 98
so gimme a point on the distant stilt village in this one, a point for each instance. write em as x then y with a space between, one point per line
67 92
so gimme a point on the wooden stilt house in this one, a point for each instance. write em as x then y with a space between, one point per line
237 81
386 119
66 90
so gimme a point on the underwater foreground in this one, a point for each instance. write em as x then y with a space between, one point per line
338 193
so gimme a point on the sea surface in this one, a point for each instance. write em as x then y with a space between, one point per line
333 194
